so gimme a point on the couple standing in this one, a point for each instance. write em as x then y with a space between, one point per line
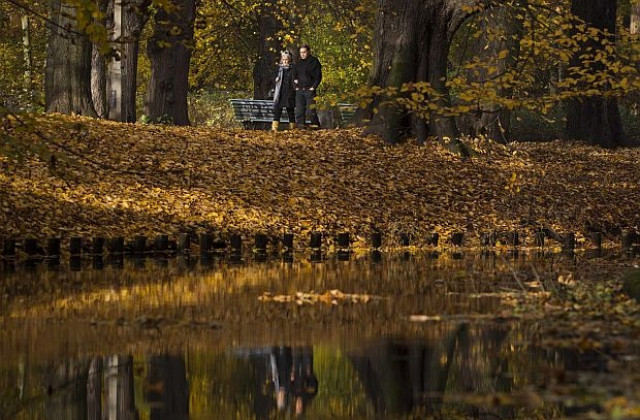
296 88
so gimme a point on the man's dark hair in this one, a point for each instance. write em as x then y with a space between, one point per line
306 46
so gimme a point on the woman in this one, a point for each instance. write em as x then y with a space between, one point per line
284 95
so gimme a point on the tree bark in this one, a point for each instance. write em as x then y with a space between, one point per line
68 68
136 15
267 46
167 388
99 68
412 44
28 62
594 119
119 391
170 53
94 389
634 21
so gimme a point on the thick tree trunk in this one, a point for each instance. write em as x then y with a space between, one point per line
412 44
167 388
170 53
66 387
99 68
267 50
491 119
594 119
68 72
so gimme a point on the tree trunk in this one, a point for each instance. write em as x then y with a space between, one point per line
28 62
66 387
594 119
491 119
99 68
412 44
68 72
136 14
634 21
119 391
167 388
267 50
94 389
170 53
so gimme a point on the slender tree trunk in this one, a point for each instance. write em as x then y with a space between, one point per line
28 62
412 44
94 389
136 15
170 53
119 392
68 72
594 119
267 50
99 67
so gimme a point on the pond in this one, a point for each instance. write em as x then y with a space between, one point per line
423 335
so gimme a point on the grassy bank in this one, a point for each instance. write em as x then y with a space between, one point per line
113 179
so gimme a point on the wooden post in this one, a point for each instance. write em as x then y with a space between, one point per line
236 242
435 238
9 248
344 240
162 243
98 262
139 244
287 241
261 241
376 239
206 241
316 240
97 247
75 263
31 246
53 247
456 238
75 246
116 245
628 238
184 242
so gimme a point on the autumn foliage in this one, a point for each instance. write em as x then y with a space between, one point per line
123 179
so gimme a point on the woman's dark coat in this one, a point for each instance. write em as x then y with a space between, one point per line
284 95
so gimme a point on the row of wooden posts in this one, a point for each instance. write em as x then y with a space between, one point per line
209 243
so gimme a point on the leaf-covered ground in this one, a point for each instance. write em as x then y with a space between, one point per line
113 179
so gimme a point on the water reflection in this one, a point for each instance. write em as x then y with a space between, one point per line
135 338
455 371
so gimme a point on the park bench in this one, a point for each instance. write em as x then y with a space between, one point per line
257 114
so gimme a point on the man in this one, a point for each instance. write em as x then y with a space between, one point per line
307 75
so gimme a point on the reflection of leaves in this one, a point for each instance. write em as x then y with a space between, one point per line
331 297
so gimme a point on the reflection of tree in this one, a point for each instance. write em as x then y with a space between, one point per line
66 385
401 376
119 397
167 390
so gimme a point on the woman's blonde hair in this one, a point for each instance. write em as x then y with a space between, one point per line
285 54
